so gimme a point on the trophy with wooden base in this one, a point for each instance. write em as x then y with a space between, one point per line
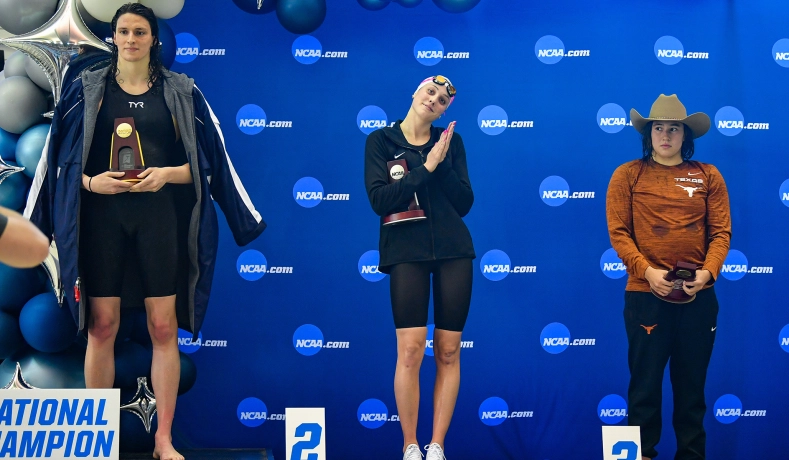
398 169
126 150
682 272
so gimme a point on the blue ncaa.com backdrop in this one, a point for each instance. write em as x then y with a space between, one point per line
545 89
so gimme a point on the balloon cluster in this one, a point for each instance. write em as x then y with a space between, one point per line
450 6
297 16
24 97
34 330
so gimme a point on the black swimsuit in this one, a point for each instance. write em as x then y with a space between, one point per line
131 228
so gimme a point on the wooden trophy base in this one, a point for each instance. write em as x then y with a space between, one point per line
131 175
403 217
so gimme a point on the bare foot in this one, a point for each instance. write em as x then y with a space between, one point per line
164 450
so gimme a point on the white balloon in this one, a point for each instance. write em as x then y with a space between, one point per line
2 75
164 9
104 10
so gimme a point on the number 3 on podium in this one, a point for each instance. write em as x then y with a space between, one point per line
305 437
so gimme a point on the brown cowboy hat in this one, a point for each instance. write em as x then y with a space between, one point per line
668 108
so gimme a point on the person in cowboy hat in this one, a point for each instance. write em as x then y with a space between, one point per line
663 209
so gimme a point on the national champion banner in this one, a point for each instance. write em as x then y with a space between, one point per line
58 424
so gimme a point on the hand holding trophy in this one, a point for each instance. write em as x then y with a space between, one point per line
681 273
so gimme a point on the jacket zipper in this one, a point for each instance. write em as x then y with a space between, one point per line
429 220
427 187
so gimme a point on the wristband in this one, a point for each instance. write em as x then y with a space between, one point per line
89 189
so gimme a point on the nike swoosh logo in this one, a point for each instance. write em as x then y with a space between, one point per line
694 174
398 156
713 329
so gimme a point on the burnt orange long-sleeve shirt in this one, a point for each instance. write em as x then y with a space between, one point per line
671 214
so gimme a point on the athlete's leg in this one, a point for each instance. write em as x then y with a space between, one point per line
452 299
102 245
410 293
165 370
648 322
105 318
690 359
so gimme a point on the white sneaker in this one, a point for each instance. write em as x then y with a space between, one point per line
412 452
434 452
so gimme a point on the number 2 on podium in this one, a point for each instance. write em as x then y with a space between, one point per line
629 446
314 430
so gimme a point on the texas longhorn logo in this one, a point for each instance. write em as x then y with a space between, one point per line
649 328
690 190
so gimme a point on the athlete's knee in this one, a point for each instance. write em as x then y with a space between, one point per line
162 330
411 352
103 327
446 354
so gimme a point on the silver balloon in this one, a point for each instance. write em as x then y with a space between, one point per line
2 75
22 16
18 382
143 404
7 170
15 65
36 73
54 44
52 267
21 104
165 9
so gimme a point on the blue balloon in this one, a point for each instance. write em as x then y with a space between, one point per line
30 146
251 6
17 286
374 5
11 337
188 374
8 145
132 360
47 370
301 16
13 190
45 325
167 39
456 6
409 3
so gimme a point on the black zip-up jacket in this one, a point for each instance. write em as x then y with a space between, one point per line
445 195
